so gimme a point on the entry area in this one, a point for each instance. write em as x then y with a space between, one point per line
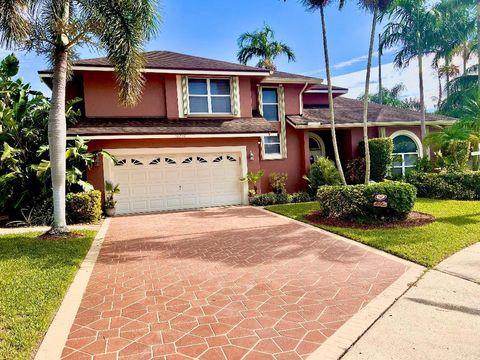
161 179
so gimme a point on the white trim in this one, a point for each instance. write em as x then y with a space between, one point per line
300 98
272 156
173 136
181 112
172 71
277 80
419 151
242 150
320 141
326 91
318 125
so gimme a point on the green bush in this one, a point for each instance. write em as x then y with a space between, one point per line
278 182
457 154
381 150
84 207
447 185
356 171
355 202
300 197
322 172
270 199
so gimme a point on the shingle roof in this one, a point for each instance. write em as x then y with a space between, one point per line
324 88
176 61
145 126
350 111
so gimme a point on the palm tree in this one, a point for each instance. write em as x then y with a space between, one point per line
314 5
374 6
262 44
54 29
409 27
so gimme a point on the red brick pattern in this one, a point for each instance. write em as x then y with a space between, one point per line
233 283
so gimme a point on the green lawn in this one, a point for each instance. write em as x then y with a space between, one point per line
34 276
457 225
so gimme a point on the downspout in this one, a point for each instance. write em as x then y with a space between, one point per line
301 97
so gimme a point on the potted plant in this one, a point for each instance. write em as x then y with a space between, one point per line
111 190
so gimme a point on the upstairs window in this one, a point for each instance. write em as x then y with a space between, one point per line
270 104
209 96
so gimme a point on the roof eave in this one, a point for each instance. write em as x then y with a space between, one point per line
280 80
322 125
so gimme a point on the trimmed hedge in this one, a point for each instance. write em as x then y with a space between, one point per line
300 197
355 202
84 207
448 185
276 199
381 158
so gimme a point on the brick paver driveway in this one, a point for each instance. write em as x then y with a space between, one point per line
221 283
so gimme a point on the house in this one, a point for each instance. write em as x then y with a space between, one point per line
202 124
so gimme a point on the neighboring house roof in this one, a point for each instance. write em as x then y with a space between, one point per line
284 77
349 113
145 126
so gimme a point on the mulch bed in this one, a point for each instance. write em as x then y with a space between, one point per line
69 236
414 219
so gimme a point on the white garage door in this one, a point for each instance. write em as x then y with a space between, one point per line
162 182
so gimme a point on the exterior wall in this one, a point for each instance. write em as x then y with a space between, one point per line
101 98
317 99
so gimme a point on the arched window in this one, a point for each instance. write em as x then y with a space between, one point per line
407 148
316 147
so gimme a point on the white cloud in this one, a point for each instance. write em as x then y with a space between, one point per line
355 81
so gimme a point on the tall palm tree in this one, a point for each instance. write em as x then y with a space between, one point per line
314 5
262 44
408 30
374 6
54 28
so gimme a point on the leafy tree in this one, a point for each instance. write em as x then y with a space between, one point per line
262 44
392 97
314 5
55 29
410 24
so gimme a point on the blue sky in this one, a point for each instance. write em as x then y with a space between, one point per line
211 28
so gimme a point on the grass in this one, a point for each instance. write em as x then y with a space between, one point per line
34 276
457 226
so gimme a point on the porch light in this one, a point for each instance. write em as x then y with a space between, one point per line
251 156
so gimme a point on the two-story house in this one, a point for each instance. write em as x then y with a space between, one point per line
202 124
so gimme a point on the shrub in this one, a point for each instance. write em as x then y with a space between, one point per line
457 154
253 178
278 182
424 164
355 202
84 207
381 150
300 197
447 185
270 199
356 171
322 172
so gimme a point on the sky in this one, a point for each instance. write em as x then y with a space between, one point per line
210 28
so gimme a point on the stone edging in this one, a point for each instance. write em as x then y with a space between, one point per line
337 344
57 334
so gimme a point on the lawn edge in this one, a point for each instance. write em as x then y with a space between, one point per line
56 336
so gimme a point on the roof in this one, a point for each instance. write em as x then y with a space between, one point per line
161 126
168 60
281 77
349 113
321 88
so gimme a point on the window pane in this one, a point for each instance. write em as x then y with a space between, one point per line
271 139
270 112
220 87
269 96
272 148
397 171
221 104
404 144
198 104
197 86
410 160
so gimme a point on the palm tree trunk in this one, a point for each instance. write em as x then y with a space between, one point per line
57 128
447 75
330 98
365 99
439 91
465 58
478 42
380 90
423 127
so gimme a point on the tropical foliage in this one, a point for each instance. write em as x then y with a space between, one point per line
261 44
393 97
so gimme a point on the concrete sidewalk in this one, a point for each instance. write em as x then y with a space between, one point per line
438 318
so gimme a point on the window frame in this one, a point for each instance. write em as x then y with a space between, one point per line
277 104
320 142
271 156
419 151
209 96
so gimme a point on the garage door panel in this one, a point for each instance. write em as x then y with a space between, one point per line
162 182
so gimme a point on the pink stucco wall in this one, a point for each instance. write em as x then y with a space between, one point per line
101 97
